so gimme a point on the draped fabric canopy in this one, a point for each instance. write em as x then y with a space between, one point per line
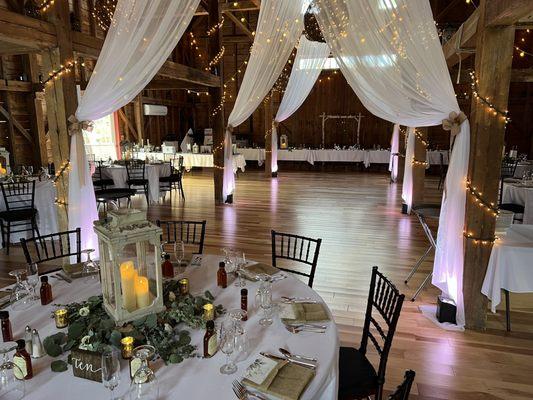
394 149
308 64
141 37
279 26
390 54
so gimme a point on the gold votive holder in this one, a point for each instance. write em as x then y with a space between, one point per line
61 318
127 347
209 312
184 286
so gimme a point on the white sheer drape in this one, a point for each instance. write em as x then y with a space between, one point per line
308 64
141 37
407 186
390 54
394 156
278 29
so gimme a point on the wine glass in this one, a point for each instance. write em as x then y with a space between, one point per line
20 298
227 346
11 386
264 299
144 384
240 282
241 341
179 251
111 370
32 277
90 268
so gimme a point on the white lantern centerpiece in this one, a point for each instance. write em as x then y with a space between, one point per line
130 254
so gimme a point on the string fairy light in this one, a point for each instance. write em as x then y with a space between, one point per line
190 91
419 136
480 201
419 163
215 27
58 73
45 5
103 13
486 101
216 59
479 240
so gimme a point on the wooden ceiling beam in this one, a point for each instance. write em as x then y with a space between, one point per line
172 84
15 86
464 38
242 5
522 75
507 12
240 25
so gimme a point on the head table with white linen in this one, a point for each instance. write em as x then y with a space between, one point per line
194 378
190 160
44 203
510 264
519 193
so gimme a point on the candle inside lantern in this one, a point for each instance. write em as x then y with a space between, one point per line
127 347
142 292
184 286
61 318
209 312
127 280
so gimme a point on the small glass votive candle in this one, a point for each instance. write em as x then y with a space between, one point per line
127 347
61 318
209 312
184 286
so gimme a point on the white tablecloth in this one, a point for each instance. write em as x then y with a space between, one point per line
520 194
253 154
510 264
191 160
433 157
195 378
45 194
153 172
521 168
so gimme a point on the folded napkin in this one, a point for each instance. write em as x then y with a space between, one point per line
303 312
260 268
286 381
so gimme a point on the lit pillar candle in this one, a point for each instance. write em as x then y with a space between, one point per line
141 292
127 280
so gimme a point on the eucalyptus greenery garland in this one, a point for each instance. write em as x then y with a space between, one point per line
91 328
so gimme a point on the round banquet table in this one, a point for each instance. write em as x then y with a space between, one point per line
519 193
194 378
153 172
44 203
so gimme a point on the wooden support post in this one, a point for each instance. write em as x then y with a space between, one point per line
419 171
215 97
493 71
139 117
401 151
267 107
35 108
10 129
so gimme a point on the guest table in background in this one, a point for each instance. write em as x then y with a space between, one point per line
195 378
518 193
190 160
45 195
523 167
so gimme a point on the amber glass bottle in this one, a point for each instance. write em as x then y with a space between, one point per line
22 360
168 269
7 334
210 340
222 276
46 291
244 303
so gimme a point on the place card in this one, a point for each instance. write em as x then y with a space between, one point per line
287 311
260 370
196 260
87 364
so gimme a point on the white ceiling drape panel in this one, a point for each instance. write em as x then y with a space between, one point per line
278 29
141 37
308 63
394 149
390 54
407 185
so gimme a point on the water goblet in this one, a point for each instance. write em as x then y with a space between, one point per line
227 346
20 298
111 370
144 385
32 277
264 299
11 386
240 282
179 252
90 268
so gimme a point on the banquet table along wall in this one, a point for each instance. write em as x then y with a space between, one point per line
45 195
190 160
195 378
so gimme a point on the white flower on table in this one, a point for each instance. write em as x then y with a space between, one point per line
84 311
171 296
84 344
168 328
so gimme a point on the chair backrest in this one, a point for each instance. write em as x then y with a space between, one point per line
51 247
18 195
97 176
136 169
382 314
402 391
176 164
507 171
189 232
296 248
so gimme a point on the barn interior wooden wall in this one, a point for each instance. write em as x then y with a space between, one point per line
189 107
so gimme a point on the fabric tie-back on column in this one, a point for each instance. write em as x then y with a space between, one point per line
279 26
394 156
307 66
391 55
142 35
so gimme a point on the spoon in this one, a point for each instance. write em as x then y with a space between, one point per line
287 353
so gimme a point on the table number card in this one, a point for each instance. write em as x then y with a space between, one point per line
87 365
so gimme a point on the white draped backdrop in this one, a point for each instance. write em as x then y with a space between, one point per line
279 26
394 149
141 37
390 54
407 185
308 64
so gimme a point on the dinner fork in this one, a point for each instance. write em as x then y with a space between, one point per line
242 393
295 329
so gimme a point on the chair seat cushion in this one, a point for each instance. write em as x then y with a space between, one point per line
516 208
170 178
357 377
18 215
137 181
113 194
103 182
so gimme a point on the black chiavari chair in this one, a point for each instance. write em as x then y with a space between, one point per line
175 179
402 391
99 180
508 170
136 170
443 170
51 247
20 214
189 232
358 377
296 248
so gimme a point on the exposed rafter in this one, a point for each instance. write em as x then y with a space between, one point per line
240 25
